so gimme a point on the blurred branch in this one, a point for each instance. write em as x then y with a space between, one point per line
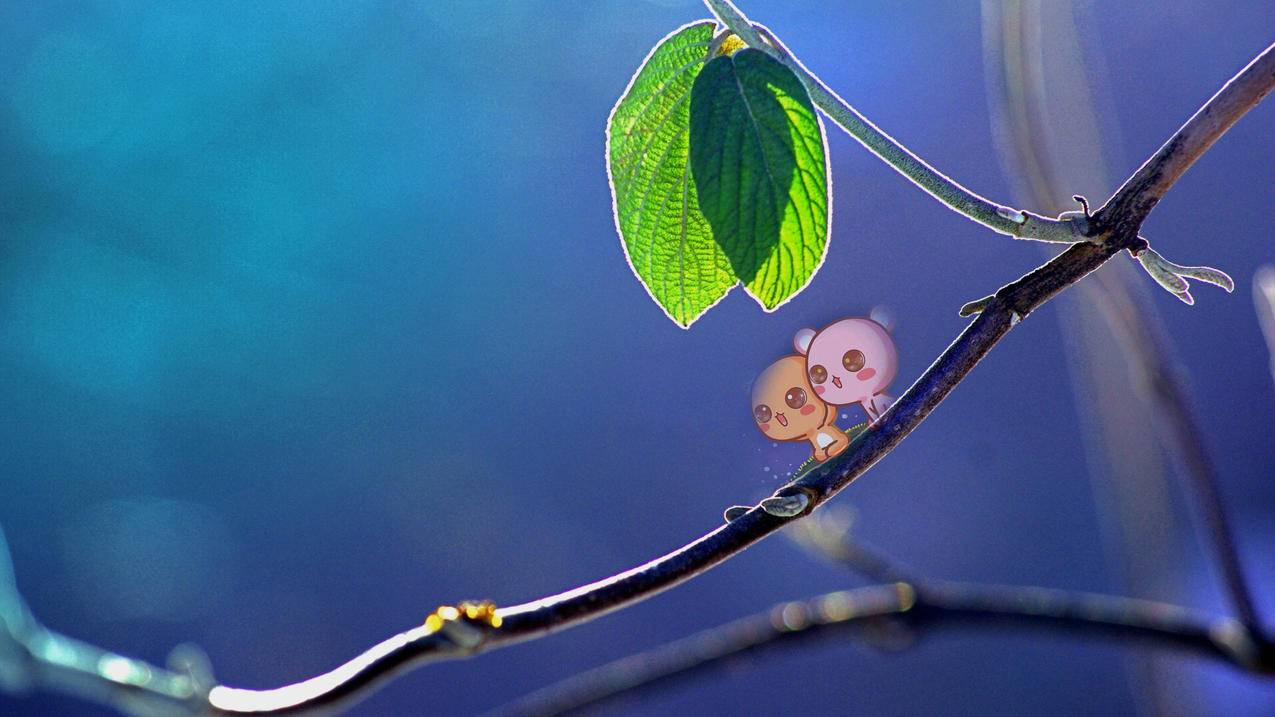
454 632
1125 211
894 615
1264 299
1002 311
1150 353
1033 63
32 656
1120 217
1184 433
828 534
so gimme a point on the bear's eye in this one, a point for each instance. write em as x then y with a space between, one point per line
762 413
853 360
818 373
796 397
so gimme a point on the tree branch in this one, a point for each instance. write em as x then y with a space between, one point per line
456 632
1149 352
1125 211
877 613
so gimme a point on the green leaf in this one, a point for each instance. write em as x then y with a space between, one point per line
667 241
758 161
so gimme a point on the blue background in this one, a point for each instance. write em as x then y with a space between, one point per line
313 316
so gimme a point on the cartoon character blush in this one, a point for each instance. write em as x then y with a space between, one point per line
850 361
787 408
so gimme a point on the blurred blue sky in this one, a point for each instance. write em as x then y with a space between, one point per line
313 316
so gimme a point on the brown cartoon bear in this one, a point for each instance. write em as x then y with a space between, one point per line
787 408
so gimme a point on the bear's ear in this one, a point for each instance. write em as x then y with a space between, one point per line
802 340
884 318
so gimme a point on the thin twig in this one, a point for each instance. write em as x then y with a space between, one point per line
540 617
1000 218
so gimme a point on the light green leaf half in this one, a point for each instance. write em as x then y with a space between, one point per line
759 162
667 241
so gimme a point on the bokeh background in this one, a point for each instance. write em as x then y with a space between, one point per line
313 316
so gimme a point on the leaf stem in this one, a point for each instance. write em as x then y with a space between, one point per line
1000 218
33 655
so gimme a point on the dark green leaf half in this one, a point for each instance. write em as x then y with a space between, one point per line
759 165
667 241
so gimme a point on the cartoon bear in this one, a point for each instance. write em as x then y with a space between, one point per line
850 361
787 408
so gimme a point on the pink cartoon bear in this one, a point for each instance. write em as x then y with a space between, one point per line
850 361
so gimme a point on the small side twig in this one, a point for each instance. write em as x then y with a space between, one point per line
1173 276
1084 204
